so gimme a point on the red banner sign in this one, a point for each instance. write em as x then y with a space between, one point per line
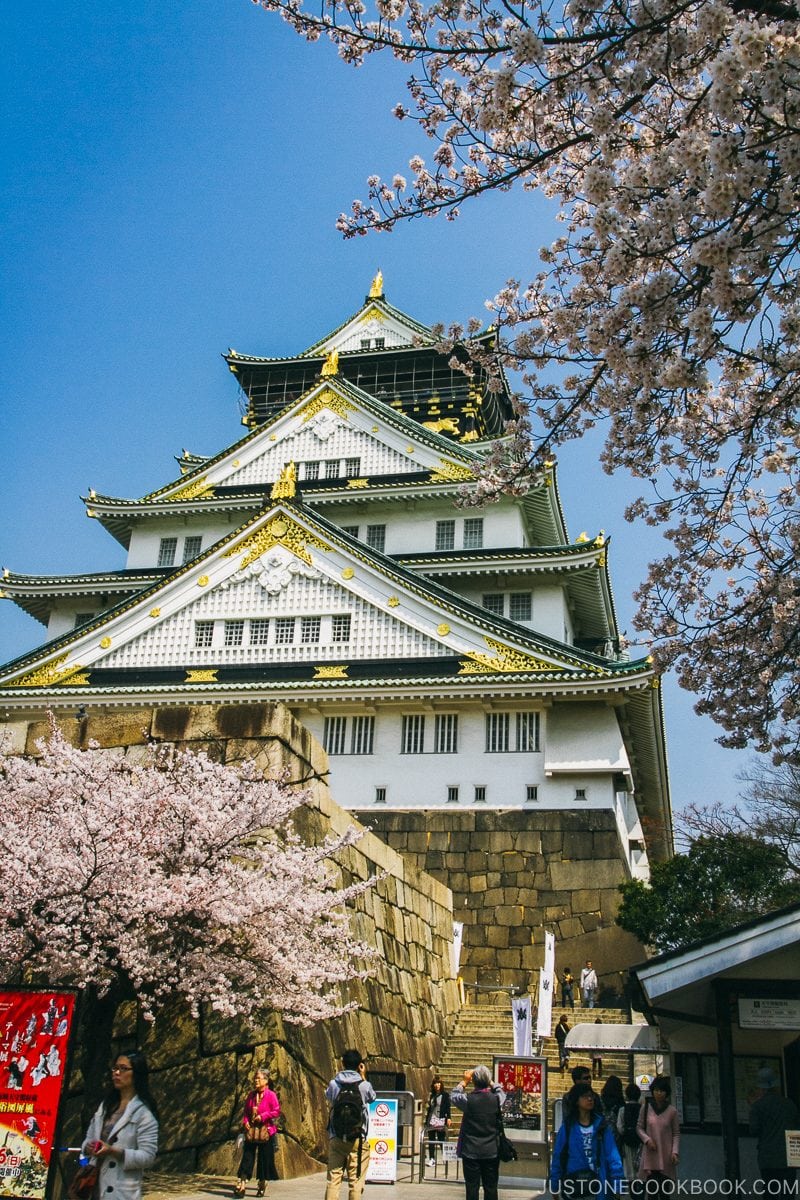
520 1077
34 1036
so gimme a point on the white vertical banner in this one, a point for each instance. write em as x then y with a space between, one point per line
523 1026
458 935
544 1017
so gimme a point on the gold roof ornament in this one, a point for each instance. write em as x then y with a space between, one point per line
331 365
286 485
376 287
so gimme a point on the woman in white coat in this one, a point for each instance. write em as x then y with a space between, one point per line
123 1135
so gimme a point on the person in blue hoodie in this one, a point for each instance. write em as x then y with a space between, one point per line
585 1160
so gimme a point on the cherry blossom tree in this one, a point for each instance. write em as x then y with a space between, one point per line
667 133
169 876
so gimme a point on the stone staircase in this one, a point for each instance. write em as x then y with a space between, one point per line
484 1030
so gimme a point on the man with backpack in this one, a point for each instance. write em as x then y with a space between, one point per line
348 1094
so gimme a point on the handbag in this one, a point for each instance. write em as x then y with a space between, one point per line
436 1122
83 1182
257 1133
505 1150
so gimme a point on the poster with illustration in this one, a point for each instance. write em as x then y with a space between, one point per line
35 1029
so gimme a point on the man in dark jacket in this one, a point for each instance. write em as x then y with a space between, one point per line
770 1116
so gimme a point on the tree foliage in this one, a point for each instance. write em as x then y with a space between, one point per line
719 883
668 134
175 876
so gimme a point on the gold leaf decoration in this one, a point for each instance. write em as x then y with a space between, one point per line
358 483
504 660
332 671
450 471
105 642
155 612
443 629
201 675
327 399
202 581
48 674
442 425
393 601
286 484
376 287
280 531
200 488
348 573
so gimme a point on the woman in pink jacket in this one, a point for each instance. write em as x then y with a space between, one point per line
261 1110
660 1135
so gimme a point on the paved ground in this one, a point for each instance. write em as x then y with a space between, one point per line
311 1187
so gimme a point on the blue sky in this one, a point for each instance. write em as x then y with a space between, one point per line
172 177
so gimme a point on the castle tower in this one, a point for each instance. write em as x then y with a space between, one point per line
461 666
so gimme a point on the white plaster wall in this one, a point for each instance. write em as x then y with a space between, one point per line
584 739
143 550
411 527
552 615
422 780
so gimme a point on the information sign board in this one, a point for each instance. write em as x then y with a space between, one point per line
382 1141
770 1013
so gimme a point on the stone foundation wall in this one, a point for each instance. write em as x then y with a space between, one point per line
202 1069
514 872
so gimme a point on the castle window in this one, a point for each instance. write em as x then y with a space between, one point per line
309 629
332 468
365 343
519 606
445 733
497 733
363 735
452 795
376 537
352 467
380 343
580 793
191 548
527 732
333 734
311 470
473 533
259 631
203 634
167 549
234 633
340 627
494 603
445 535
284 631
480 793
531 793
380 795
351 529
412 737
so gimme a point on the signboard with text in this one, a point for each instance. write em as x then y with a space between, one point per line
522 1080
382 1141
35 1029
772 1013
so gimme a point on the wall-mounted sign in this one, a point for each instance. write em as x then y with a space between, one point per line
793 1147
382 1141
34 1035
772 1013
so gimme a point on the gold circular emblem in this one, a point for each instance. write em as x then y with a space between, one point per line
155 612
105 642
442 630
348 573
202 581
278 527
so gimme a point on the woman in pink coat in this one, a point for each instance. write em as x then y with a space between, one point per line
660 1135
261 1110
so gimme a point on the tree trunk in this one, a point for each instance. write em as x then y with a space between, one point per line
95 1033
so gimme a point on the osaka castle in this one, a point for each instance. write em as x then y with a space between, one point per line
447 658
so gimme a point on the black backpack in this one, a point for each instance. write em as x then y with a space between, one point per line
347 1113
629 1122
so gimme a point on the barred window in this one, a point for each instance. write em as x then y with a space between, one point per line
352 467
494 603
365 343
362 735
311 470
167 549
380 795
259 631
203 634
333 734
580 793
445 535
480 793
380 343
284 631
376 537
497 733
473 533
412 738
531 793
309 629
519 606
332 468
445 733
527 732
452 795
234 633
191 548
340 627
